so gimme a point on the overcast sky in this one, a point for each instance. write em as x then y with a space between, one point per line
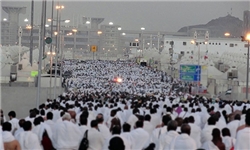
132 15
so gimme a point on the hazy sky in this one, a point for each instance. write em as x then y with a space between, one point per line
132 15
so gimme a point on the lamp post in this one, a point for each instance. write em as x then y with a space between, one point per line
158 41
172 54
99 44
61 60
58 18
74 30
20 31
142 29
41 47
51 54
247 38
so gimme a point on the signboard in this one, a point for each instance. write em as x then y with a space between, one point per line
189 77
93 48
33 73
190 72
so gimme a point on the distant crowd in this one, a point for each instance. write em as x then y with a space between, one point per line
120 105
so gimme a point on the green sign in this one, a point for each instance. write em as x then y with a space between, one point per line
48 40
187 77
188 69
33 73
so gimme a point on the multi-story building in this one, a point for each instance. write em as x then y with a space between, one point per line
108 38
246 22
9 27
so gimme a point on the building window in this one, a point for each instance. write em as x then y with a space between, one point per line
167 42
235 45
187 52
209 43
184 43
246 45
225 43
219 43
231 45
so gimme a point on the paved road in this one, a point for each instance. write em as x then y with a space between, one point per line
20 99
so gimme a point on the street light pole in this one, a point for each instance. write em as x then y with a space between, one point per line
57 47
199 55
51 45
31 32
74 30
74 45
19 43
40 53
247 69
61 60
158 42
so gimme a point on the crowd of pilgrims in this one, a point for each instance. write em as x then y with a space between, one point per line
142 112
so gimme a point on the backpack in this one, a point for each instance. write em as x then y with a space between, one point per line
85 142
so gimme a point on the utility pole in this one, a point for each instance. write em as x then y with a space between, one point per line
31 32
51 45
43 19
57 51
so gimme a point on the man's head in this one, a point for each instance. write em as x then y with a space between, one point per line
126 127
216 133
99 118
136 111
237 117
27 126
32 114
83 120
147 117
211 120
116 130
66 116
49 116
37 121
185 128
225 132
172 125
85 114
139 124
165 119
179 121
12 114
113 113
116 143
21 122
6 126
94 124
191 119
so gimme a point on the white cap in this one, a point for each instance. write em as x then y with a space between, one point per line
66 116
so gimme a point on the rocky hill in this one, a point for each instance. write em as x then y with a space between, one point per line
219 26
